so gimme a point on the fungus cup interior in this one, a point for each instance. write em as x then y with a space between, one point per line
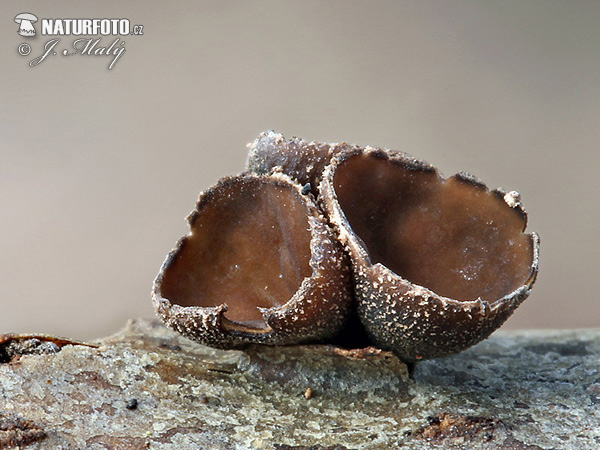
249 247
452 236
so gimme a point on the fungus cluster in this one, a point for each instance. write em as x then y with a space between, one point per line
313 234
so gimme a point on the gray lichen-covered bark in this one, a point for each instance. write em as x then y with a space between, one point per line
148 388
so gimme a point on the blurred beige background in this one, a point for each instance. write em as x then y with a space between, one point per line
98 167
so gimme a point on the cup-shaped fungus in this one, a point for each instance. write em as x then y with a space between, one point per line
260 265
303 161
438 264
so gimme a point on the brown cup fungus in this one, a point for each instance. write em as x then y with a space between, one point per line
438 264
301 160
260 265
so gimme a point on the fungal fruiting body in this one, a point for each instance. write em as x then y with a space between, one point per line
303 161
260 265
430 265
438 264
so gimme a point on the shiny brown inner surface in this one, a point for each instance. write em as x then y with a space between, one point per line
249 248
457 239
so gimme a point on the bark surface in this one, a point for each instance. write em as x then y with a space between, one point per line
148 388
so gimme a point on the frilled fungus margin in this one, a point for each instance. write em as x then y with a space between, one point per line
259 265
435 264
438 263
464 242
